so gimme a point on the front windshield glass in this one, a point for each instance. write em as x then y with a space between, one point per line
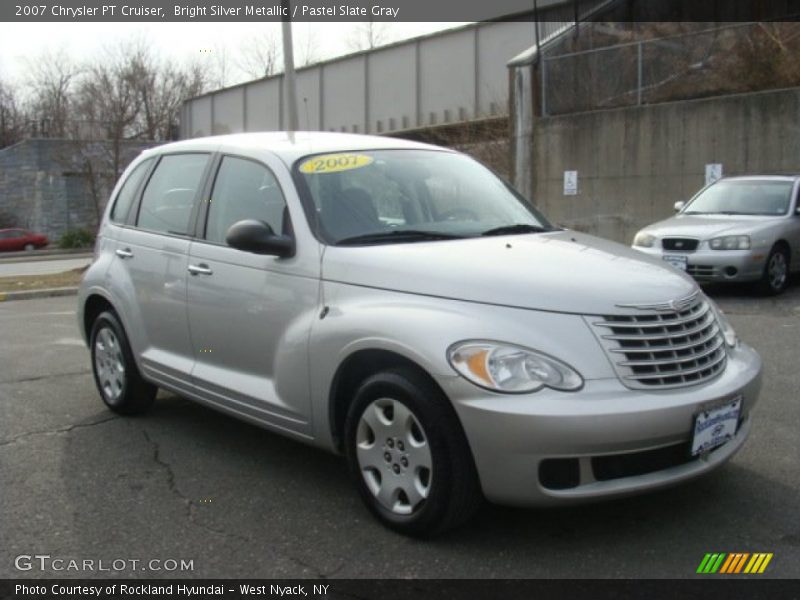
393 196
743 197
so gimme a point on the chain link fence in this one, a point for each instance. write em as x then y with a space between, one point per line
717 61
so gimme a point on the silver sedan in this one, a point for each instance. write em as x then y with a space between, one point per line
736 229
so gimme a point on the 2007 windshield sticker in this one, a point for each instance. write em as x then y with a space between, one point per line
334 163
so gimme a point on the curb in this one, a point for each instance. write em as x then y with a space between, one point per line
17 257
31 294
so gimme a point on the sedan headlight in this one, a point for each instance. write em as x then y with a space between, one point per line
510 369
727 329
645 240
730 242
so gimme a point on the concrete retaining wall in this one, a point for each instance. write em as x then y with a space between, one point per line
633 164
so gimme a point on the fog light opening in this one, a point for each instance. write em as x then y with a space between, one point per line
731 272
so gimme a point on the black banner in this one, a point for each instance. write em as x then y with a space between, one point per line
705 587
394 10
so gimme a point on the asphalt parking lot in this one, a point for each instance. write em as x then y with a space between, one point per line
183 482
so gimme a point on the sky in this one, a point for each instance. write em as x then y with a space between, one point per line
180 41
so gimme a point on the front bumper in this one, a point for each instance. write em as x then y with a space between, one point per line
608 435
718 265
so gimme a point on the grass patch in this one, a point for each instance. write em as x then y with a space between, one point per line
41 282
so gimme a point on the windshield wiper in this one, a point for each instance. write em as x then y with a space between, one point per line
518 228
397 235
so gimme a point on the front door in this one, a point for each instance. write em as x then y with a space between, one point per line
250 314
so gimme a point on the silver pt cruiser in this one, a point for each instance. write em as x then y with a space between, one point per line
400 304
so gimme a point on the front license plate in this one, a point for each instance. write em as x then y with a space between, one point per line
679 262
716 426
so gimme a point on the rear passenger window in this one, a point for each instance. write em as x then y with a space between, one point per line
244 189
169 196
125 197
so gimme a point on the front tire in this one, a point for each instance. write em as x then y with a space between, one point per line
408 455
116 375
29 247
776 272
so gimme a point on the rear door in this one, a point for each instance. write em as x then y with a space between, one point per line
250 315
150 267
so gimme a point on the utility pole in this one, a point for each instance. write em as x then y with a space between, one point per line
288 67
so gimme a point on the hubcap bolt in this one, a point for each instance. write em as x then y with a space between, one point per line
388 457
390 443
404 461
396 468
400 445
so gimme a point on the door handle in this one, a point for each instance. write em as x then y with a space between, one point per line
126 253
201 269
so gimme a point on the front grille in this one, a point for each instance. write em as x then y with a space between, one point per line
702 271
664 348
680 244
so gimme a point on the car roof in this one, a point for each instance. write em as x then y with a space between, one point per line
291 146
774 177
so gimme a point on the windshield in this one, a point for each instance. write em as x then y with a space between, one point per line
397 196
743 197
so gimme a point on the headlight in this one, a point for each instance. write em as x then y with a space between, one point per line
645 240
510 369
727 329
730 242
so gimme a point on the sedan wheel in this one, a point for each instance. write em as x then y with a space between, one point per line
776 272
29 247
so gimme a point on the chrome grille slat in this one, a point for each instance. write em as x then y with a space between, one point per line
647 349
661 336
676 359
661 322
654 347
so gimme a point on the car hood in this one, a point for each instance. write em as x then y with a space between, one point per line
707 226
560 271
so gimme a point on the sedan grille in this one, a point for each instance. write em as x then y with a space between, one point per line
680 244
664 348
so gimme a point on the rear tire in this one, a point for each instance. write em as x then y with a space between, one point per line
775 277
408 455
116 375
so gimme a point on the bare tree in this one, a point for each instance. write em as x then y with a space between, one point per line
12 117
51 80
221 67
260 55
368 36
162 86
307 50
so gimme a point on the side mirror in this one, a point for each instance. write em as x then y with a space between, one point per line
678 206
257 237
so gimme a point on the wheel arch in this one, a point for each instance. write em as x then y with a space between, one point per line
93 306
355 369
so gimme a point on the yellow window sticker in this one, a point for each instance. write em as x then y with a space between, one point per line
333 163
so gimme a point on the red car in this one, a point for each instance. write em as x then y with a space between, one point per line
19 239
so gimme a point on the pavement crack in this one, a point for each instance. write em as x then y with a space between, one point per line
59 431
190 507
48 376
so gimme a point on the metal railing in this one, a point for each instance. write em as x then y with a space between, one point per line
715 61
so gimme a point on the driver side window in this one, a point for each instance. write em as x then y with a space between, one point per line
244 189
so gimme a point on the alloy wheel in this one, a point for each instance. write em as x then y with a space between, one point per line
777 270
